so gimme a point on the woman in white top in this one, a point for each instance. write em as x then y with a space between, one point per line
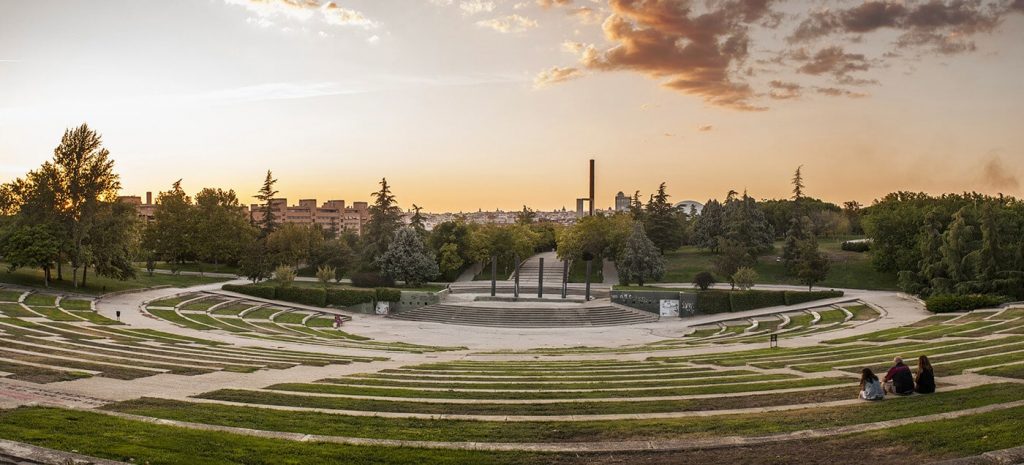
870 388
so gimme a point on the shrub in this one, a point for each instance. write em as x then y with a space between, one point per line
959 303
749 300
266 292
856 246
370 279
284 275
744 278
712 302
303 295
704 280
349 297
388 295
799 297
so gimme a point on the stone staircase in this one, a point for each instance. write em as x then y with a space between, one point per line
533 315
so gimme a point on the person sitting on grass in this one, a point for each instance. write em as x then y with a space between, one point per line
870 388
925 382
899 380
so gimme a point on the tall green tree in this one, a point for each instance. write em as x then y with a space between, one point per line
222 231
707 226
813 265
33 246
640 261
662 222
385 219
268 220
171 234
408 259
526 216
417 221
744 223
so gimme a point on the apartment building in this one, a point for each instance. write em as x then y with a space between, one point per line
332 214
145 210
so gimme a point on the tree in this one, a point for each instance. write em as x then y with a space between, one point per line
417 220
385 219
34 246
744 223
114 243
407 259
812 266
284 275
222 231
171 234
451 243
526 216
707 226
636 207
268 222
662 222
704 280
798 232
449 260
731 258
325 274
84 176
798 184
744 278
639 261
334 253
255 263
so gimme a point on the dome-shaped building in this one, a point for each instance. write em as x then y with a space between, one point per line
686 205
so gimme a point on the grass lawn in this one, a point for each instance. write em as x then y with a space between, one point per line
94 317
612 430
15 311
192 266
99 284
316 284
849 269
10 296
45 300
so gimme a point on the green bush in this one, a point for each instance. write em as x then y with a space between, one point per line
255 290
349 297
303 295
371 279
712 302
799 297
748 300
960 303
388 295
856 246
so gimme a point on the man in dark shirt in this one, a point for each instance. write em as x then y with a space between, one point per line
899 380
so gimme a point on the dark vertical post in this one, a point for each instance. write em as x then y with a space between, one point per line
516 288
565 276
591 187
587 295
540 279
494 274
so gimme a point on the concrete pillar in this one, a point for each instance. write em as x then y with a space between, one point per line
515 290
591 187
540 279
565 277
587 295
494 275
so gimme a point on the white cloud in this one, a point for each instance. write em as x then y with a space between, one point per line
472 7
338 16
507 24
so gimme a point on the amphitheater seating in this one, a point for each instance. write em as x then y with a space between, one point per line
532 316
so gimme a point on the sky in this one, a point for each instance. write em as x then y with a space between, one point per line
485 104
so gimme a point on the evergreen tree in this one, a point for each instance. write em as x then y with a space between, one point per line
268 222
707 226
798 184
640 260
704 280
799 230
407 259
744 223
636 207
526 216
731 258
813 266
385 219
661 220
417 221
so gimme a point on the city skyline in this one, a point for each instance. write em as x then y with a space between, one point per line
494 99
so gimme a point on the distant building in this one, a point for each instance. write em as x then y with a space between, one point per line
332 214
687 205
145 210
622 202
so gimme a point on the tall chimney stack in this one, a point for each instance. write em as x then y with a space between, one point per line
591 187
149 198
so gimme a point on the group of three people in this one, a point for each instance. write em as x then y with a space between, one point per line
898 380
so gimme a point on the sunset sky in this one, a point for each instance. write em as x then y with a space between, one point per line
467 104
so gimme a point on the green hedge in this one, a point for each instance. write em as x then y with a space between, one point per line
799 297
960 303
349 297
388 295
370 279
314 296
266 292
856 246
712 302
749 300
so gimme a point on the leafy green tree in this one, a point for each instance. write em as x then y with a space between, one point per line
294 244
222 231
745 224
451 243
662 223
417 221
256 263
449 260
171 234
731 258
640 261
707 226
526 216
114 243
84 176
799 231
636 207
407 259
744 278
334 253
268 220
34 246
812 266
504 242
385 219
704 280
